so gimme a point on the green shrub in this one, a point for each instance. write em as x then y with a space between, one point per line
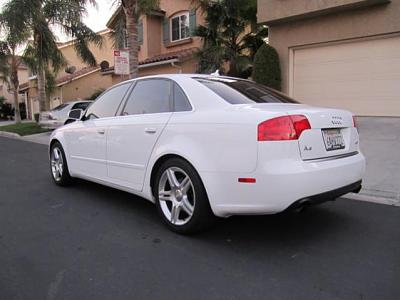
266 68
95 94
36 116
6 111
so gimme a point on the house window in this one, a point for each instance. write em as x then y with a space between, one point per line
180 27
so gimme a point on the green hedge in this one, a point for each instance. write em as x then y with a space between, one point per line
266 68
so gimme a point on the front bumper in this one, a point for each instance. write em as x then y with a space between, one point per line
282 182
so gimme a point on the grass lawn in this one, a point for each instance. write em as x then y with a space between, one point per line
23 128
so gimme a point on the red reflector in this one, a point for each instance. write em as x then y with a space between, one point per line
283 128
247 180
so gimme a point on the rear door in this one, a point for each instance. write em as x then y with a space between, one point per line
132 136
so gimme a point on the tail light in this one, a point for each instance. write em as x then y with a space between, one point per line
283 128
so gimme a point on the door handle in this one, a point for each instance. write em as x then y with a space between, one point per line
101 131
150 130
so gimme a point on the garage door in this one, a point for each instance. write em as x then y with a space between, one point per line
361 76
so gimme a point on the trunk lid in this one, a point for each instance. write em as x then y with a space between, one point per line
332 131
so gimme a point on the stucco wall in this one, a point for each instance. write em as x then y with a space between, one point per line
173 7
356 23
271 11
188 66
105 52
23 75
83 87
152 32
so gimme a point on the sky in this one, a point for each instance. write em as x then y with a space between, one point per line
96 18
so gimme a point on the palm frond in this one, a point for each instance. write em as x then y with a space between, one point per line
118 35
50 82
4 62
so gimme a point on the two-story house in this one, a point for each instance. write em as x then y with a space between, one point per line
166 40
76 80
342 53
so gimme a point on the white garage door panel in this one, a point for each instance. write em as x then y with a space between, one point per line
362 76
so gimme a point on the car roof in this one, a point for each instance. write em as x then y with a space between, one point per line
76 101
185 75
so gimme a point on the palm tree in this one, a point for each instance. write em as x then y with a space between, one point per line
14 35
231 34
132 10
40 18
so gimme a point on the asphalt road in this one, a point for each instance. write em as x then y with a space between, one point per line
92 242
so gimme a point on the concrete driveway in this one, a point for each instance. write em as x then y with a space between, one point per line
380 143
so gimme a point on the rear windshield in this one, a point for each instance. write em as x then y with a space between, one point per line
237 91
81 105
60 107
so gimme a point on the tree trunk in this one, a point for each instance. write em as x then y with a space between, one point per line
41 86
15 86
131 28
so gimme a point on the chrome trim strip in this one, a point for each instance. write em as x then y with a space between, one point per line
331 157
88 159
125 165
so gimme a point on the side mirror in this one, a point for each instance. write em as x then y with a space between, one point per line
75 115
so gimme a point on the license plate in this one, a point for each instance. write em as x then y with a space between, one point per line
333 139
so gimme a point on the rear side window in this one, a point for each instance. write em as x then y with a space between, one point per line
181 103
148 97
107 104
81 105
60 107
237 91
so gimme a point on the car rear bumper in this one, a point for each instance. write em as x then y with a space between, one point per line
326 196
50 124
283 183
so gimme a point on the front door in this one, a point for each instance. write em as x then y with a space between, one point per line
87 141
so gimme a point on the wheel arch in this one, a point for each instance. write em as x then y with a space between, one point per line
52 142
163 159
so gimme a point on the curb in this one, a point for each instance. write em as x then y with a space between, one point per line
9 134
373 199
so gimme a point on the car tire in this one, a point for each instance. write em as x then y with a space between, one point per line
184 205
58 165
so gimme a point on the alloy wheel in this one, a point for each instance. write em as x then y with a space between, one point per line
176 196
57 164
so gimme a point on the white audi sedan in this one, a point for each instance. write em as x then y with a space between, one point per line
201 146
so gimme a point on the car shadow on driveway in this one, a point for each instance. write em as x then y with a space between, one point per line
284 228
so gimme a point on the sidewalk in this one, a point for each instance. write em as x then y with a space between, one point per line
4 123
380 143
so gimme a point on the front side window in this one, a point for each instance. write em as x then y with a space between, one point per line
107 104
60 107
180 27
149 97
237 91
